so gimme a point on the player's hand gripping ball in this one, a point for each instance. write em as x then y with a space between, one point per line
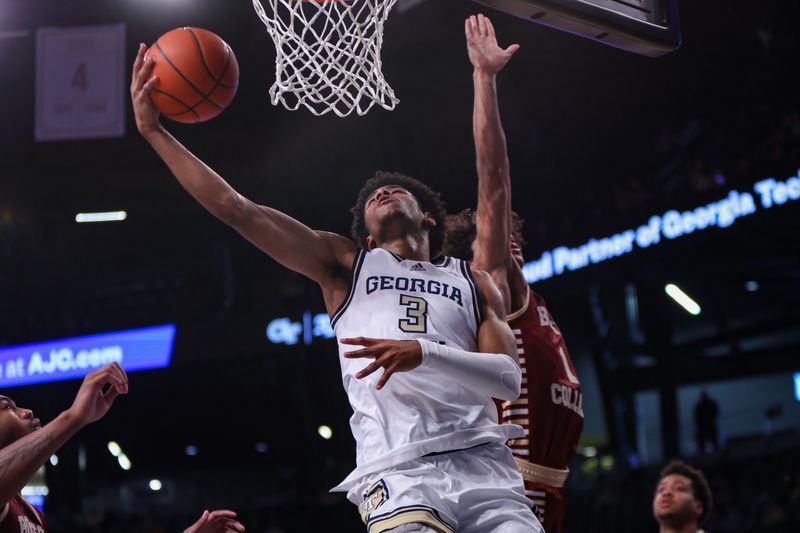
197 74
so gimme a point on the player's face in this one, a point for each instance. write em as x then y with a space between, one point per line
389 203
15 422
674 502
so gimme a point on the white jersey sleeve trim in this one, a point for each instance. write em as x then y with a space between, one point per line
476 296
358 260
4 513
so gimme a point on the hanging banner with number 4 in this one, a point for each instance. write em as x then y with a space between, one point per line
80 80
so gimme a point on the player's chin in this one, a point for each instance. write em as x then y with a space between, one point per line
664 512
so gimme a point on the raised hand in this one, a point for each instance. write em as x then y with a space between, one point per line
391 355
222 521
484 52
98 391
142 82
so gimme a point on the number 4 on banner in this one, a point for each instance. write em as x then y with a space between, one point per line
80 82
79 79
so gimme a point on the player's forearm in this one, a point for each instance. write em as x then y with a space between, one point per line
20 460
205 185
494 184
492 374
490 140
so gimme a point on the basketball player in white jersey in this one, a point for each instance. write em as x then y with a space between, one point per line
435 348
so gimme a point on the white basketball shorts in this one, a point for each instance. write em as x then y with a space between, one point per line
477 490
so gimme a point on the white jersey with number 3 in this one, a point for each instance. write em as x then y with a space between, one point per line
422 411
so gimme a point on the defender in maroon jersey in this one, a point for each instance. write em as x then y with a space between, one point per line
25 445
550 407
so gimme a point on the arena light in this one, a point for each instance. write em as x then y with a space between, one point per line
114 448
797 386
751 286
683 299
109 216
35 489
261 447
124 462
190 450
54 460
155 485
325 432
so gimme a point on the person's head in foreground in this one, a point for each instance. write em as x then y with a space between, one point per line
682 500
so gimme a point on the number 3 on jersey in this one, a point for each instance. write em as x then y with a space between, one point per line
416 320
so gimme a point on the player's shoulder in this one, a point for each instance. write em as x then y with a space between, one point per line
481 276
490 294
343 248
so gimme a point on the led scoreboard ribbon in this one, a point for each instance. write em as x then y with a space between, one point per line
671 225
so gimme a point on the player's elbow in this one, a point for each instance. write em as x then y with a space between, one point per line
510 383
233 209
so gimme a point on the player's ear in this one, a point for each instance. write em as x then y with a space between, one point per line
698 509
371 243
428 221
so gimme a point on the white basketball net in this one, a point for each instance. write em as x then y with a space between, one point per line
328 54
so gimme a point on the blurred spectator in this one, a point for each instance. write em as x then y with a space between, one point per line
706 413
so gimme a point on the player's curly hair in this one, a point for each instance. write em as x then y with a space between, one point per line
460 232
429 202
700 488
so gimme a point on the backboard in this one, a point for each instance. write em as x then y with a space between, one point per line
646 27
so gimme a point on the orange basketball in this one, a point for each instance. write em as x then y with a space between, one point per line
197 74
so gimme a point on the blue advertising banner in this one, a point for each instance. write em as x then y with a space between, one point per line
135 349
671 225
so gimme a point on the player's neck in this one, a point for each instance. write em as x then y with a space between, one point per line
691 527
517 286
408 247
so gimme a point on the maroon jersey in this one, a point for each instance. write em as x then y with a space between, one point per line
18 516
550 409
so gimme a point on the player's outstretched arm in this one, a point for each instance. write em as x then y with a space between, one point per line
493 218
22 458
291 243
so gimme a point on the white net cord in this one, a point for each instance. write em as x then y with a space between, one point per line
328 54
